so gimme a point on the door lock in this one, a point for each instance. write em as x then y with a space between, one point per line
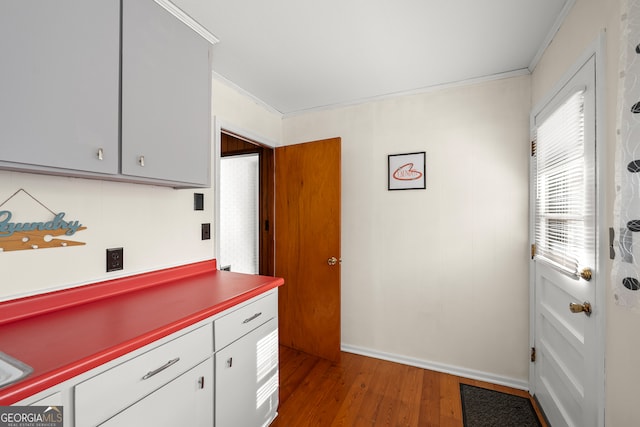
580 308
332 261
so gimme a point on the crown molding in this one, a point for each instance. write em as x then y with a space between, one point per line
551 34
245 93
419 91
188 20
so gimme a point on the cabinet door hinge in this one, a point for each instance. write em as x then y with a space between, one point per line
533 354
533 250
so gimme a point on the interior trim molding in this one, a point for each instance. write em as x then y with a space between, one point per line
551 34
435 88
439 367
245 93
188 20
419 91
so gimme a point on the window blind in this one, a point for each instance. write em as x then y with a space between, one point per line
560 171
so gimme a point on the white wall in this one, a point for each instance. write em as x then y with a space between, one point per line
436 275
581 28
157 226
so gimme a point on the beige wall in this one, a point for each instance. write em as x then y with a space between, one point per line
156 226
234 108
436 276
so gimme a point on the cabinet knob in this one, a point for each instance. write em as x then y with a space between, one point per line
141 161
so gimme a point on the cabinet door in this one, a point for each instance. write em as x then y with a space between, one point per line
185 401
59 82
166 101
247 379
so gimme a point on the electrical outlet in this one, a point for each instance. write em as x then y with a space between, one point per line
206 231
115 259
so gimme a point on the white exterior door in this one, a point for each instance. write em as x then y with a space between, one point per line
566 373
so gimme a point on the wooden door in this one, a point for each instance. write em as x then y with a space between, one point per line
308 246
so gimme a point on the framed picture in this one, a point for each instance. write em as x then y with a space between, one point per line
406 171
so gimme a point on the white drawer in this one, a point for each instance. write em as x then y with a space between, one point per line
54 399
237 323
107 393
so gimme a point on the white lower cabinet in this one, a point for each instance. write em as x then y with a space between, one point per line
222 372
185 401
108 393
247 369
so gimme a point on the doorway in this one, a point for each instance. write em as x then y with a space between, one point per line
239 223
567 369
308 227
246 201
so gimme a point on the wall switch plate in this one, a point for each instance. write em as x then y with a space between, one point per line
206 231
198 201
115 259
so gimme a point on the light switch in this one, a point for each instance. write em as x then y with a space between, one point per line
198 201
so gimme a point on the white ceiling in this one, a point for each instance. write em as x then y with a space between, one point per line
296 55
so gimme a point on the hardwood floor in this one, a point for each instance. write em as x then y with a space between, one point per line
363 391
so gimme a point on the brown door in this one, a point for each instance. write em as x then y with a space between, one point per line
308 246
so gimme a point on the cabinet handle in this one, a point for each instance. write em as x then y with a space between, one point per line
161 368
141 161
100 154
230 362
249 319
201 382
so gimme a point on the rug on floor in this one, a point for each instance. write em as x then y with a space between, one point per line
488 408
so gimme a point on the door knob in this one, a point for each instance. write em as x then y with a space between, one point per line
332 261
580 308
586 274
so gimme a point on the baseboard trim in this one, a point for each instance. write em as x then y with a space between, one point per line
439 367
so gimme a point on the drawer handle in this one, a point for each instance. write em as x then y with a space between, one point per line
161 368
255 316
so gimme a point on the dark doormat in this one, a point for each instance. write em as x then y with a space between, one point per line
489 408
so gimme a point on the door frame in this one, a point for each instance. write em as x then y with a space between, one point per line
219 126
597 50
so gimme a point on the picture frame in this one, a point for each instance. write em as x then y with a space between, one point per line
407 171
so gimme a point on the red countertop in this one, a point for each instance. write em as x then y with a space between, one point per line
63 334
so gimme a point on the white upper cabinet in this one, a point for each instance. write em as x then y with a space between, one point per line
87 91
59 84
166 102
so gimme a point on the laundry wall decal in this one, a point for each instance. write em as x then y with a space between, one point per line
38 232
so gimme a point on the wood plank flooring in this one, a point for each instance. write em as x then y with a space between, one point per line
363 391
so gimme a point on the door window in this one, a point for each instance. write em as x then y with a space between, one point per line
561 207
